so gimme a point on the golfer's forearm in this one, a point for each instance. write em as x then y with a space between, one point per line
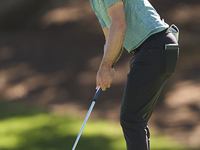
113 46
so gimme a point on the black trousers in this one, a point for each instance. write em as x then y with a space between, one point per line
150 68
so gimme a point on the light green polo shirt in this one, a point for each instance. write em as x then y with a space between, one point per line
142 20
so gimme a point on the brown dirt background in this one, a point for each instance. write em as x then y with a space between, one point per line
50 51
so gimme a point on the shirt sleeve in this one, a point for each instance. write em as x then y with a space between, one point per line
111 2
102 23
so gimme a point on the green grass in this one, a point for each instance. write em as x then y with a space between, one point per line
23 127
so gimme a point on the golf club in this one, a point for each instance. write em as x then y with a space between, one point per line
87 116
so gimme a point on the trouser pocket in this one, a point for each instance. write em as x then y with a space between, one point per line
170 57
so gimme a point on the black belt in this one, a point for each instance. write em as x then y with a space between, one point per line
135 50
149 38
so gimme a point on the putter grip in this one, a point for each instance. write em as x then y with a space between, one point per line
98 91
97 94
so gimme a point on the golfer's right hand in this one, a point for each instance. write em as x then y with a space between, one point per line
104 77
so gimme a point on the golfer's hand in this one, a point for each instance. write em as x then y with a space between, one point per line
104 78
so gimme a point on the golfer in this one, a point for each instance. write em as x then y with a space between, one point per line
136 26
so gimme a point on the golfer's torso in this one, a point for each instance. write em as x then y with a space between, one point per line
141 18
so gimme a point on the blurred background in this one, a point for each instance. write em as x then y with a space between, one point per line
50 51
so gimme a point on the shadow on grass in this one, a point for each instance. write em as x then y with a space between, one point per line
9 109
58 142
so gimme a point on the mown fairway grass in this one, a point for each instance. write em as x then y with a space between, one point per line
23 127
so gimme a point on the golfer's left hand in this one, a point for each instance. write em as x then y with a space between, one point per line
104 77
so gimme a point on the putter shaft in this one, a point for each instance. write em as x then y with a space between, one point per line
87 116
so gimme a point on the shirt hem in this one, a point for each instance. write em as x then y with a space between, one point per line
146 37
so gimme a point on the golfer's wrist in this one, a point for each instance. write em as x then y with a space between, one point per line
106 64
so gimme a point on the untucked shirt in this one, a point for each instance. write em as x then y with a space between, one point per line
142 20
